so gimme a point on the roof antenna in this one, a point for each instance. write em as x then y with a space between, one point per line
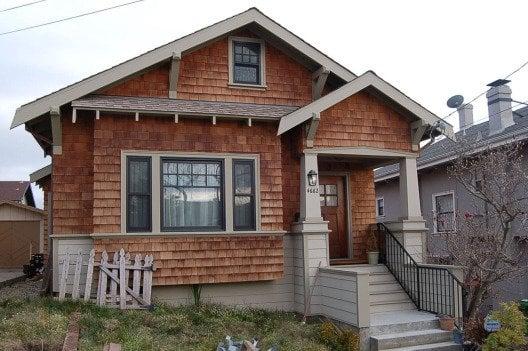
455 101
465 112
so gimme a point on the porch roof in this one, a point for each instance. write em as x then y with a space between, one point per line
373 83
183 107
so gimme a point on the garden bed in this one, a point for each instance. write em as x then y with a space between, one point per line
41 324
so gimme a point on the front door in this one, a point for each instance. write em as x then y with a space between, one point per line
333 209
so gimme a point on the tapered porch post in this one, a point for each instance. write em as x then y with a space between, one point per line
409 192
410 228
310 240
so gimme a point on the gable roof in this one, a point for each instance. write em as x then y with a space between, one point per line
367 80
13 190
185 44
446 150
22 206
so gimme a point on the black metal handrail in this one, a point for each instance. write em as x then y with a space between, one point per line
431 289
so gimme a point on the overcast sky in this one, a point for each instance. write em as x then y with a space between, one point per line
429 50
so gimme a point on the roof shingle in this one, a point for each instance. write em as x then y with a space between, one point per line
13 190
178 106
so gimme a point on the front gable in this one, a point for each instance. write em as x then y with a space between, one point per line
204 75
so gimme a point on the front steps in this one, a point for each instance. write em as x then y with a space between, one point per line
395 322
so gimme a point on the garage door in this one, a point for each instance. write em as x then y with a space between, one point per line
17 238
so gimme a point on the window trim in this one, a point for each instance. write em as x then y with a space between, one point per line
435 224
253 226
377 207
223 218
156 195
262 69
148 228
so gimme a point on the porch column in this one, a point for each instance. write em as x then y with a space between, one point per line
410 229
310 241
409 193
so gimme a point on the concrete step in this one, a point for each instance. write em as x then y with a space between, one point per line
375 287
392 305
381 277
369 268
394 294
441 346
401 327
410 338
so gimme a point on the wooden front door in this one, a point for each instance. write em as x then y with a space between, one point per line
333 209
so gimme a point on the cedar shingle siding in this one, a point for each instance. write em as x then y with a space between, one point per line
87 176
209 259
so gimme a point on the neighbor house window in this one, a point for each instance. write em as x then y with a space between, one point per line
138 193
380 207
243 195
246 61
444 212
191 195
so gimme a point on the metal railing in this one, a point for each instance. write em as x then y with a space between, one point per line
432 289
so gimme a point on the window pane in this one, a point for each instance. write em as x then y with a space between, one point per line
246 74
138 212
243 178
170 180
244 201
139 176
331 200
195 202
138 208
243 212
322 200
191 207
444 203
331 189
321 189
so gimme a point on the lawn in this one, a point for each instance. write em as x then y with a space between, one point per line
41 323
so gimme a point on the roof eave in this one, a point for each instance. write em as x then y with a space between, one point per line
102 79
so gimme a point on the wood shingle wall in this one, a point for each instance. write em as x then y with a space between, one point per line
206 259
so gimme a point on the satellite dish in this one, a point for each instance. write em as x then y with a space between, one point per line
455 101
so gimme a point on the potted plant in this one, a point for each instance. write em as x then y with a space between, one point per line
447 323
372 247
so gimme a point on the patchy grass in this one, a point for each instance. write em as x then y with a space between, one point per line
40 324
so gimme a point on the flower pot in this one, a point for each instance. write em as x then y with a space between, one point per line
447 323
373 257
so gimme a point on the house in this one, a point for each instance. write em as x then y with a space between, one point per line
21 224
243 159
17 191
441 196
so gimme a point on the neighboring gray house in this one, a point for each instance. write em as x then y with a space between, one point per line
441 197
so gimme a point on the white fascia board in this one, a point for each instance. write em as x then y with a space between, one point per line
368 79
40 173
100 80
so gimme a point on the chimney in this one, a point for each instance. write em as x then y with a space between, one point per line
465 116
499 106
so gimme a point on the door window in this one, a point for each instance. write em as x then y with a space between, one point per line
328 195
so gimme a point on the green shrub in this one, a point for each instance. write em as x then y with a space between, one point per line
511 334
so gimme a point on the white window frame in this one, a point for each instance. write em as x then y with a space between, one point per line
262 84
435 224
377 207
156 189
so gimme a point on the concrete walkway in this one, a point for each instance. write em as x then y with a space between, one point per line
7 275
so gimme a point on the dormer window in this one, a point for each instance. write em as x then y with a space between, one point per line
246 62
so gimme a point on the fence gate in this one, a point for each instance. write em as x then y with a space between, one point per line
121 283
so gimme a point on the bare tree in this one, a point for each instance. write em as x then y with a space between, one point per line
485 241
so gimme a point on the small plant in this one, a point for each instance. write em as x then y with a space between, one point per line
337 339
511 334
197 294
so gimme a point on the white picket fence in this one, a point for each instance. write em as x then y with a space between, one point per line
114 278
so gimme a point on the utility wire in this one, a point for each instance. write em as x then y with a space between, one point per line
70 18
23 5
484 92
